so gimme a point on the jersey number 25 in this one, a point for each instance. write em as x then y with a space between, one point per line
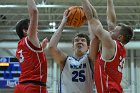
78 76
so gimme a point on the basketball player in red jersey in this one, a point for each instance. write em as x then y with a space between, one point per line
33 62
111 57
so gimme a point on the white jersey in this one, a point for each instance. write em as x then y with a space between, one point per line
76 76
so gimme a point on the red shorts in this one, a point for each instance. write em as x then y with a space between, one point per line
30 88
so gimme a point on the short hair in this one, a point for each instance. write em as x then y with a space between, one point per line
22 24
83 35
127 32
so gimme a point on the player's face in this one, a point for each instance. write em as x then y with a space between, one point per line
80 45
25 29
25 32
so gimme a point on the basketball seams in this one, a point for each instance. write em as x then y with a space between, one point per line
76 18
71 9
73 17
80 17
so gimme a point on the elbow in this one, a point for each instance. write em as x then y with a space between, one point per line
35 11
99 31
51 48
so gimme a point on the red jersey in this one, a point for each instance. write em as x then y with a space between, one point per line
33 62
108 73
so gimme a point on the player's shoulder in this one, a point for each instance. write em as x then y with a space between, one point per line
21 41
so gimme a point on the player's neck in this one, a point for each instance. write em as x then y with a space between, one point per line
78 55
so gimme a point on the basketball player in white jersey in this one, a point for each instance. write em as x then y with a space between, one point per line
76 70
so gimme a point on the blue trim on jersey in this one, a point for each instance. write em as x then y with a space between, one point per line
64 63
60 90
78 58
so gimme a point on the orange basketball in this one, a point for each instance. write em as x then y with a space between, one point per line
76 16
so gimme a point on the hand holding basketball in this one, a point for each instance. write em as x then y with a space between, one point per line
65 15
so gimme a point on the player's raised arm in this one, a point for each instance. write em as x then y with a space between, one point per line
93 48
93 22
33 25
111 15
57 54
89 9
97 29
92 18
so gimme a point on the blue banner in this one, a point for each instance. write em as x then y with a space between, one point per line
9 74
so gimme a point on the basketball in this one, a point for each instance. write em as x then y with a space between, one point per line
76 16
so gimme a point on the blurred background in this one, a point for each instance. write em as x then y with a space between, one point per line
50 15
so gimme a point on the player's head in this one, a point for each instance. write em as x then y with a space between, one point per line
22 27
123 33
81 43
